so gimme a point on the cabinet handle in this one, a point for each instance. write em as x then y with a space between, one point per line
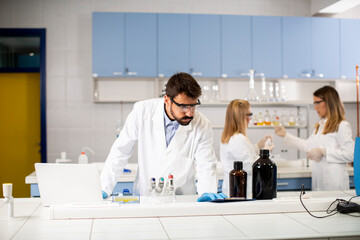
305 75
283 184
132 73
95 75
320 75
117 73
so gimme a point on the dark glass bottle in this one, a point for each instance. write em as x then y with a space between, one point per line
264 177
237 181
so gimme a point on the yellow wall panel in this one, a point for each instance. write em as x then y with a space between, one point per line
20 128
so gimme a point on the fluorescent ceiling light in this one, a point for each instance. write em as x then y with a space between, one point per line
340 6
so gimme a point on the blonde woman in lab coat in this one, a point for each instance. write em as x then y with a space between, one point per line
330 147
236 146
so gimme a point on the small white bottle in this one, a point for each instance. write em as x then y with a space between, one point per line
83 159
63 158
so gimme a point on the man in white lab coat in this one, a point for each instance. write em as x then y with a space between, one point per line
172 139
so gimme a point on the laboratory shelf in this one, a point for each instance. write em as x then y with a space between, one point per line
260 104
263 127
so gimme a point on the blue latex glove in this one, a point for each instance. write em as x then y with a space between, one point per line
105 195
206 197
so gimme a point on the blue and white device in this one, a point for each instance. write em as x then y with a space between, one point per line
357 166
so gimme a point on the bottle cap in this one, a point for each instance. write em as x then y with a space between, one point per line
264 152
238 165
82 152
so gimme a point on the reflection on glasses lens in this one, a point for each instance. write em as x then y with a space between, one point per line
185 109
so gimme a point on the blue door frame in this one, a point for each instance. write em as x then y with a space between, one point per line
33 32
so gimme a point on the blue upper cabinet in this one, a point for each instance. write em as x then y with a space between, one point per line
326 47
349 47
297 56
205 45
108 44
235 45
140 44
174 44
266 50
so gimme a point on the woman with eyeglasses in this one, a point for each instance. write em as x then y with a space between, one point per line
330 146
235 144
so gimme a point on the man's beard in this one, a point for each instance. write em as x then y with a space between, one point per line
181 120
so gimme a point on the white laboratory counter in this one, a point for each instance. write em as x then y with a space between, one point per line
291 175
286 169
280 218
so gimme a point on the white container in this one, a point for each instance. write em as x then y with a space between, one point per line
63 158
83 159
7 189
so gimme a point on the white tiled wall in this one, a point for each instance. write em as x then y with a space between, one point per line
73 119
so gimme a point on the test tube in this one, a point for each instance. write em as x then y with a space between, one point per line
152 183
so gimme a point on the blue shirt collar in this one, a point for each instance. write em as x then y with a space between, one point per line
168 121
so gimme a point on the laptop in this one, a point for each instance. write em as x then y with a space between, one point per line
68 183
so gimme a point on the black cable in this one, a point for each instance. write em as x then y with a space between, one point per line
329 211
303 192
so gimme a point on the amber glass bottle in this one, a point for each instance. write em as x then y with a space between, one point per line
237 181
264 177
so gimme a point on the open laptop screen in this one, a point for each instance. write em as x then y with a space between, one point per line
68 183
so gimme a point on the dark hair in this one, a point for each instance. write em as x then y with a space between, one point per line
183 83
335 108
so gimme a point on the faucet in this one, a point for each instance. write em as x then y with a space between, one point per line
7 192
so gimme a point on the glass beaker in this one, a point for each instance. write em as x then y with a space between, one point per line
267 120
282 93
275 119
271 92
260 119
215 93
300 119
263 97
277 92
292 120
206 93
251 94
284 119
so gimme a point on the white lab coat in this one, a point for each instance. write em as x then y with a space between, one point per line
330 173
239 148
190 148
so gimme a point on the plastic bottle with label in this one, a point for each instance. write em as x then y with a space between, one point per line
83 159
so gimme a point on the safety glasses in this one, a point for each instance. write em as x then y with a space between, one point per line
186 107
316 103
